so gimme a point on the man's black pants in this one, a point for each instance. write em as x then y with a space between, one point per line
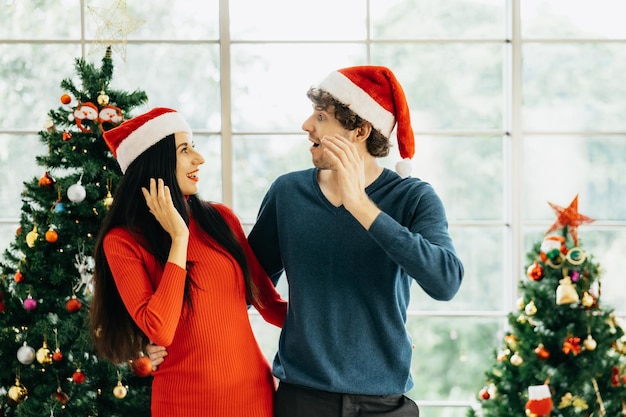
297 401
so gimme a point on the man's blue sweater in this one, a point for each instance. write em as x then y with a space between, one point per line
349 288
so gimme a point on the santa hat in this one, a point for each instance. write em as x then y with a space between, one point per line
133 137
374 93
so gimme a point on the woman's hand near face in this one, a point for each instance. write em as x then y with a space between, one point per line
159 201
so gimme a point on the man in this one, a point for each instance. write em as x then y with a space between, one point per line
351 236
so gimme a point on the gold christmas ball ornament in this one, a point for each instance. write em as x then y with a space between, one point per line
587 300
18 392
44 355
590 343
531 308
103 98
516 359
120 391
503 355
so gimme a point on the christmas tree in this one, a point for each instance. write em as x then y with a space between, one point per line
47 362
563 353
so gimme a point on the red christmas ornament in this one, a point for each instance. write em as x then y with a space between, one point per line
66 99
2 308
19 277
484 393
57 356
73 304
52 236
535 271
541 352
142 366
47 181
60 396
615 379
67 136
78 376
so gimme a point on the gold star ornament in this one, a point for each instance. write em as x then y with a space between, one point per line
570 218
114 25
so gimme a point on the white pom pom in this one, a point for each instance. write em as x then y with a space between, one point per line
403 168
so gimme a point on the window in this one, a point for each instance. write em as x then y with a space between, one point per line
514 105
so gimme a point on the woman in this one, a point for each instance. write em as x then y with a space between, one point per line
178 271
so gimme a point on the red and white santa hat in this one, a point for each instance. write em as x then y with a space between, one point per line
374 93
133 137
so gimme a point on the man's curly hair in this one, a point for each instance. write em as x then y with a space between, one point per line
377 144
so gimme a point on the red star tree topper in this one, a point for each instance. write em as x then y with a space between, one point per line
569 217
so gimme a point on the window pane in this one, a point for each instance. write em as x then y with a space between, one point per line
267 334
410 19
27 88
450 355
445 161
607 247
172 76
269 82
574 87
17 165
298 20
258 160
573 18
557 168
448 86
175 19
210 185
485 279
7 236
36 19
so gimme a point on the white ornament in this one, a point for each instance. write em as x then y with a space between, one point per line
26 354
76 193
84 264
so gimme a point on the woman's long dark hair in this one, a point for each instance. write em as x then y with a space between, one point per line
114 333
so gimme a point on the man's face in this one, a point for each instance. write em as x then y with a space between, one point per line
319 124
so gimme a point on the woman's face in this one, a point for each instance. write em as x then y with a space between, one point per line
187 162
